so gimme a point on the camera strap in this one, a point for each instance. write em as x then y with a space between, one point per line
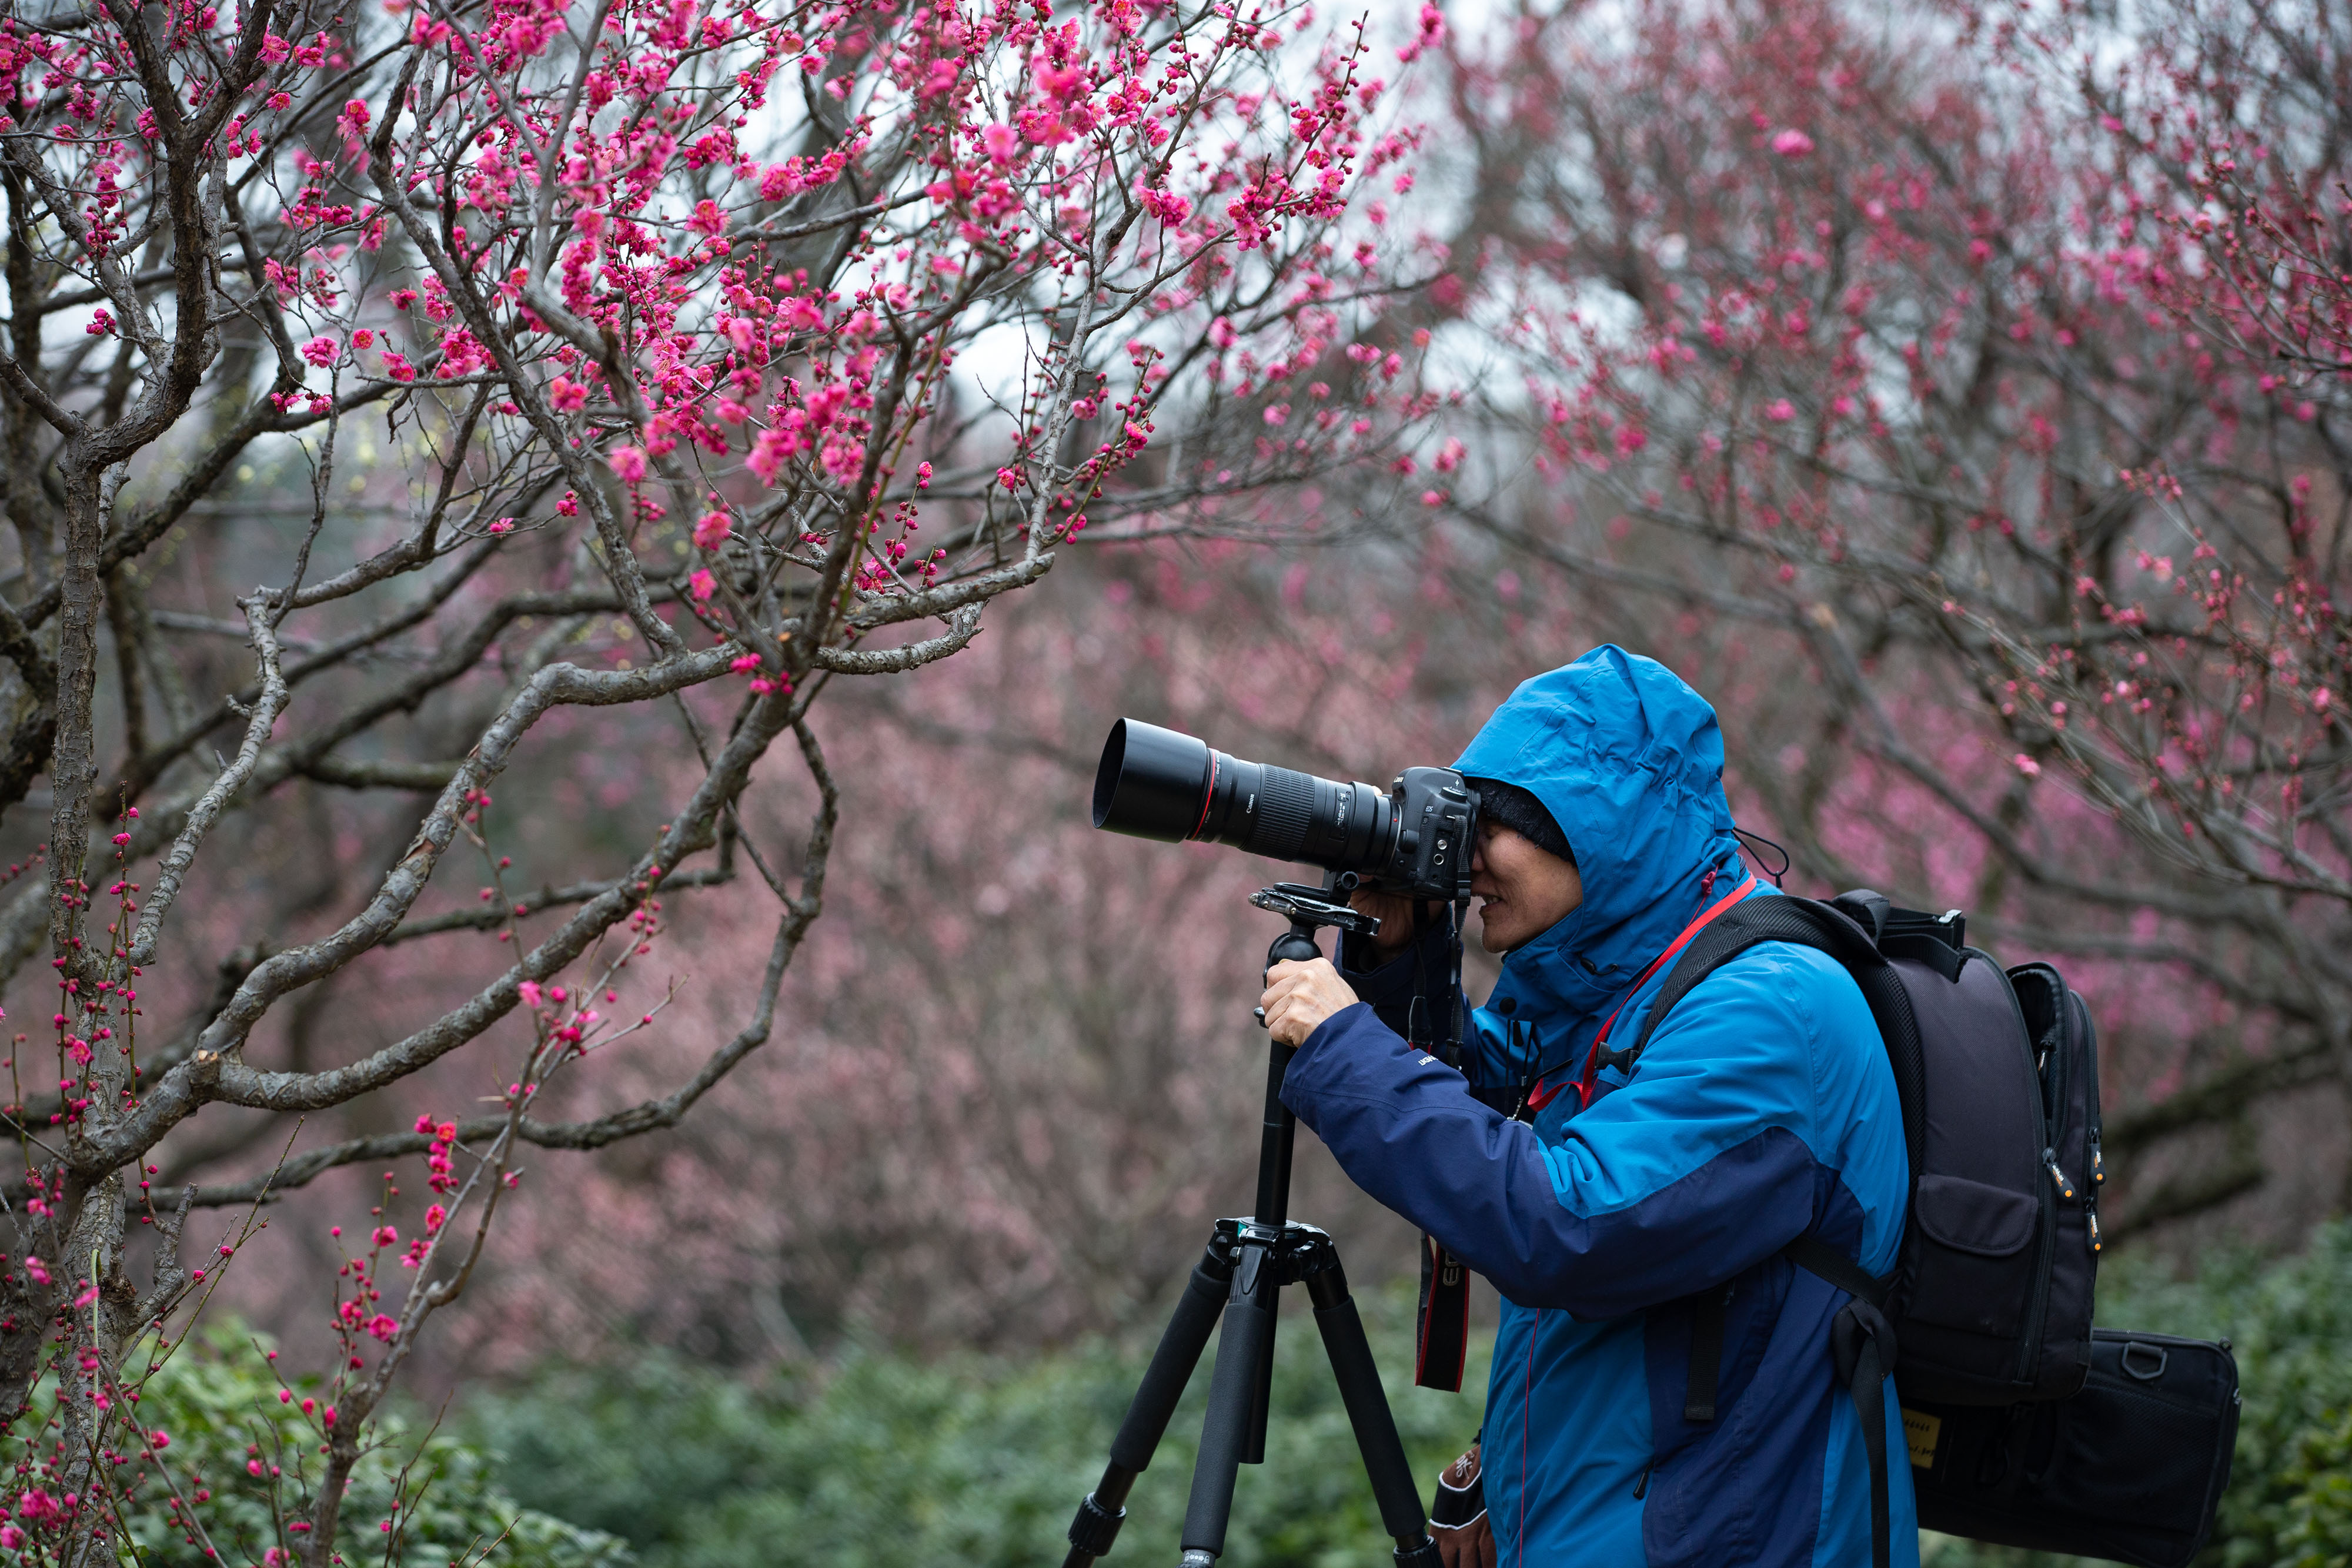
1600 1056
1441 1335
1442 1342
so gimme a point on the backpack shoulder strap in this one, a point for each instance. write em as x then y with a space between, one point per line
1862 1338
1818 1258
1827 929
1862 1341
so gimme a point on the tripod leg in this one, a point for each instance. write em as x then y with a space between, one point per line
1393 1488
1181 1343
1261 1397
1242 1346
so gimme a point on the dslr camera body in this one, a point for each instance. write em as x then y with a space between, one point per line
1415 841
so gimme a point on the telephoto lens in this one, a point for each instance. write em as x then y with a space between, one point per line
1155 783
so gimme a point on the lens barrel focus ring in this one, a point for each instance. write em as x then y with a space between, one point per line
1285 803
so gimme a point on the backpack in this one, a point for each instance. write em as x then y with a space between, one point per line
1997 1073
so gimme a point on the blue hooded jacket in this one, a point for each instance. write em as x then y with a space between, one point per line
1762 1108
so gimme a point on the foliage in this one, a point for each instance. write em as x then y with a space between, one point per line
891 1462
234 1477
2318 1532
644 1447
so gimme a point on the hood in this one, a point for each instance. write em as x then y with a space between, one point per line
1629 761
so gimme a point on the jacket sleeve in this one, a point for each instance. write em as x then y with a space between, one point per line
1699 1167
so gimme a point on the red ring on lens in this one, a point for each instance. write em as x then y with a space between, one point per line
1207 794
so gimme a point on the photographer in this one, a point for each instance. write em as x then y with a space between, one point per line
1632 1213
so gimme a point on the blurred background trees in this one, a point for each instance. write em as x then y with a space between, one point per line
1950 392
1956 393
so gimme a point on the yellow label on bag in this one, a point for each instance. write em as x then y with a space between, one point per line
1922 1432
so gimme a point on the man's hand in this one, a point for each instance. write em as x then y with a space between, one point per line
1400 920
1299 996
1458 1521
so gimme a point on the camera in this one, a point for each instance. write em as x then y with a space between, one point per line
1414 839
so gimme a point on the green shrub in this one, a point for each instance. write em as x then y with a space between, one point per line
644 1450
893 1462
890 1461
218 1401
2318 1532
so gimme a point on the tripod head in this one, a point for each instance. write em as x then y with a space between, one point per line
1308 909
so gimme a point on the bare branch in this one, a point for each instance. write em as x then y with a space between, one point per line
634 1121
962 626
489 917
261 617
351 773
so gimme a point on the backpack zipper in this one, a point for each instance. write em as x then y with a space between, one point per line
2076 1040
2091 1200
2090 1052
2050 1159
2066 1190
2062 1090
2029 1347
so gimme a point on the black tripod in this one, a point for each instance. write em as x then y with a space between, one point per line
1247 1263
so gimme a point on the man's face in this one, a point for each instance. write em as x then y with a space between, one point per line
1527 891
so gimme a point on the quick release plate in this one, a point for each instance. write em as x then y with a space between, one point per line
1311 906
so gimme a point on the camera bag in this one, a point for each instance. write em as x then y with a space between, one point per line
1996 1074
2132 1467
